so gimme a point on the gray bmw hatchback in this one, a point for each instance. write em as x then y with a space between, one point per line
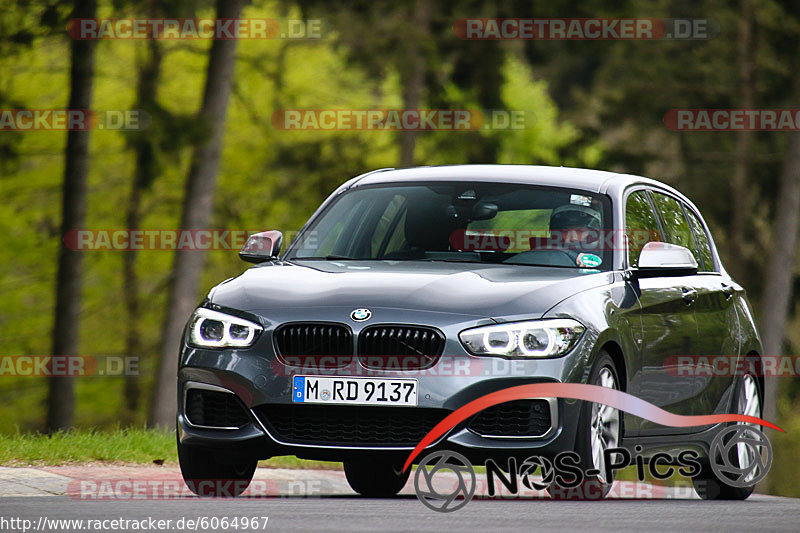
410 293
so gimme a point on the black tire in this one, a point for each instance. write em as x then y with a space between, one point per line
594 487
375 479
207 476
707 485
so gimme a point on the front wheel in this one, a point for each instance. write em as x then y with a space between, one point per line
599 429
206 475
375 479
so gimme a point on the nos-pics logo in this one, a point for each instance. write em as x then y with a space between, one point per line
444 497
741 455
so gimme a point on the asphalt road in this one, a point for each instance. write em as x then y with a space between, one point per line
346 513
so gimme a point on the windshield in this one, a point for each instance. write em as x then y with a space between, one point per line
461 222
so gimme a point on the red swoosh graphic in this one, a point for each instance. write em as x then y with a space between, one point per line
577 391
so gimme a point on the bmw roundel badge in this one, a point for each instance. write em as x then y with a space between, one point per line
360 315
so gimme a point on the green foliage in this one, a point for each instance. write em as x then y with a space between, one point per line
544 137
786 447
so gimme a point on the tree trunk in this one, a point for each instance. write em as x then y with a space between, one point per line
149 74
740 192
61 395
775 308
414 77
197 206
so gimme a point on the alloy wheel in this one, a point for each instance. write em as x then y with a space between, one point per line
748 404
604 425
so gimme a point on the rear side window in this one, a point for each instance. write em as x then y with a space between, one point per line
675 225
701 238
641 226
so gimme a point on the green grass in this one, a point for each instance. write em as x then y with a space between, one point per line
782 479
121 446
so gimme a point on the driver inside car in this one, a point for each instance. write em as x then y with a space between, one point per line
576 231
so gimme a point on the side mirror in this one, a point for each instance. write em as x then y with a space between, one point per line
659 259
262 247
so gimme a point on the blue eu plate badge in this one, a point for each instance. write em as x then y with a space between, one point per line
299 388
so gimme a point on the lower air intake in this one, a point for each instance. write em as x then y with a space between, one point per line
214 409
337 425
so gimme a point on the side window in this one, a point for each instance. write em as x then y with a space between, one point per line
675 225
641 226
700 237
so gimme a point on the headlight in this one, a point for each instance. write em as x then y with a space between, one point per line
212 329
536 338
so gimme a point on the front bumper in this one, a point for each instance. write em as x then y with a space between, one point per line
258 378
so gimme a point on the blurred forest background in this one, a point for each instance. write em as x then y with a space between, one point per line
597 104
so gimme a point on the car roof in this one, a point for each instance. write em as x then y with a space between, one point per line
598 181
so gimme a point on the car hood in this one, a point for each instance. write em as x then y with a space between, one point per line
490 291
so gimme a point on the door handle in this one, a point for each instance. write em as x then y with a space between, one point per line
728 291
689 295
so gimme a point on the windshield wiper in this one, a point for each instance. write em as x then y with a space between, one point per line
454 260
327 258
546 266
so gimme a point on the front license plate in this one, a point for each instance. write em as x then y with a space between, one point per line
354 391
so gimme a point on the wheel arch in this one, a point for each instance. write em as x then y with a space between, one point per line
614 350
607 342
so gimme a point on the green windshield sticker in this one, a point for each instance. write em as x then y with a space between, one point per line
589 260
